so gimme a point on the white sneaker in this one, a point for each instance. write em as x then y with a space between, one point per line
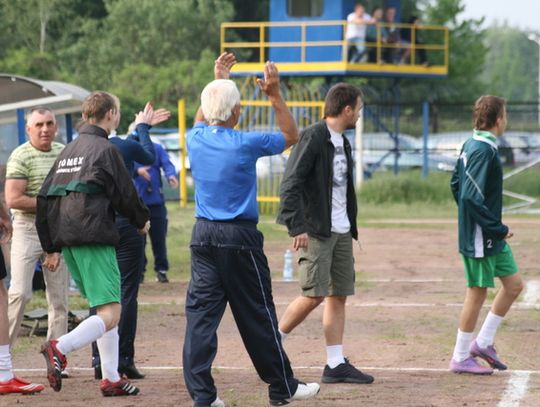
217 403
304 391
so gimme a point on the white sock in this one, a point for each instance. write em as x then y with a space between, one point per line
5 362
334 355
486 336
283 335
463 342
86 332
108 352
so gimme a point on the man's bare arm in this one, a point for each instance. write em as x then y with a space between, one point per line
16 197
285 120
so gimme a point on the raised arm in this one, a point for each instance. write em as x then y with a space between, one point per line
270 86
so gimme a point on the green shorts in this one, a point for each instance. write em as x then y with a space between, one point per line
95 271
481 272
326 267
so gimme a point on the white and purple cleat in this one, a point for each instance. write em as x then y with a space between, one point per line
488 354
471 366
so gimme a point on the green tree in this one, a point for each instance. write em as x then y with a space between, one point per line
163 86
511 66
25 62
467 51
146 32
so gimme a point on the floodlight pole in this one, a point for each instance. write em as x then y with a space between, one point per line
534 37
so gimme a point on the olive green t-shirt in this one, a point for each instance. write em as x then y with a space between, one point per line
29 163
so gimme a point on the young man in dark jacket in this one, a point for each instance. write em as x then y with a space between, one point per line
318 206
477 188
75 215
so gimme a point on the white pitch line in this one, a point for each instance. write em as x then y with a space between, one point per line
516 306
532 293
515 389
390 280
412 281
517 373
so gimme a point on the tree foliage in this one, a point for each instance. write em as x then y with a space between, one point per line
467 53
163 50
511 68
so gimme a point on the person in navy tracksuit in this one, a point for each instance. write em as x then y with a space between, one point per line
149 185
228 264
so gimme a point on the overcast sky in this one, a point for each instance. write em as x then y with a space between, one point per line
524 14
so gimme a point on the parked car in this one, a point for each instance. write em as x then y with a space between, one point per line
525 146
171 144
515 148
379 150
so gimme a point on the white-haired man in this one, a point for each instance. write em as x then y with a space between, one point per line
227 258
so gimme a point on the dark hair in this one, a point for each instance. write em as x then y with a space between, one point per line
340 96
97 104
487 110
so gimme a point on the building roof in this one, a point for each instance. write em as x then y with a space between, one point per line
18 92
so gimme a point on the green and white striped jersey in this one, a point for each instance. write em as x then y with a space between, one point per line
477 188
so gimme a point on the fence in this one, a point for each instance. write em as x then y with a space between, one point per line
396 137
312 47
258 115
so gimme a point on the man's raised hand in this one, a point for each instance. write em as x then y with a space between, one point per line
160 116
146 115
270 84
223 65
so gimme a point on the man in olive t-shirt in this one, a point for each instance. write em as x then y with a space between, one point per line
27 167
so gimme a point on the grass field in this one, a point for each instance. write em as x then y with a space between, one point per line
401 326
401 322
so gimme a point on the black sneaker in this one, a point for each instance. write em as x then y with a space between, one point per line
161 277
345 373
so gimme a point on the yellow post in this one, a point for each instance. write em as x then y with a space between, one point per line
182 135
413 44
262 39
446 45
379 42
303 42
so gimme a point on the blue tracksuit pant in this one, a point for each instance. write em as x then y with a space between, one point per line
158 237
228 266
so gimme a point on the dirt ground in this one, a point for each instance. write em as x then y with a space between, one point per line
401 328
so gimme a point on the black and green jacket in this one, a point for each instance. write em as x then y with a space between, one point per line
86 185
306 189
477 188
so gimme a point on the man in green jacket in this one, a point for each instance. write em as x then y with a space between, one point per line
477 188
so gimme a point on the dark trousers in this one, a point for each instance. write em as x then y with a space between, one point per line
228 265
130 261
158 237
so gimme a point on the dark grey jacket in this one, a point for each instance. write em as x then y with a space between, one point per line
306 189
86 185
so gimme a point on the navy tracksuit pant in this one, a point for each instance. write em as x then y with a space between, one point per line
158 237
130 262
228 266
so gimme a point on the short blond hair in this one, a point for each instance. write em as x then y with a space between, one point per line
97 104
